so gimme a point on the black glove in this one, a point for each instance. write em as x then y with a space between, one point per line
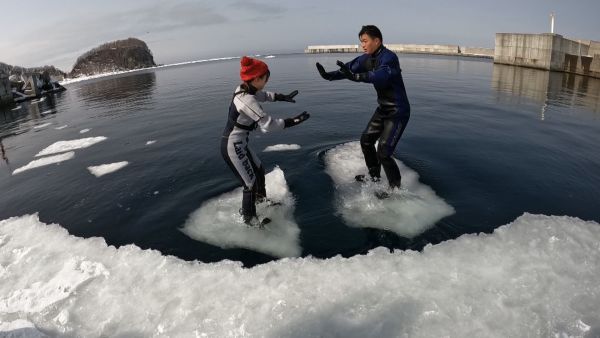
327 76
290 122
288 98
358 77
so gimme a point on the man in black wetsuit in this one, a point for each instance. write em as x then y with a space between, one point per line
379 66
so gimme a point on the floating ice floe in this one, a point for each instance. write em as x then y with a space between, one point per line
282 147
535 277
83 131
62 146
44 125
104 169
408 211
45 161
219 223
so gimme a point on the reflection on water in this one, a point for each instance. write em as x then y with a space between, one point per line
547 88
117 93
27 114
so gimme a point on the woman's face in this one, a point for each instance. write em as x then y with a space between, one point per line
260 82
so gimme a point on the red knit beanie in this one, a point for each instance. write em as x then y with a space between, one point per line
252 68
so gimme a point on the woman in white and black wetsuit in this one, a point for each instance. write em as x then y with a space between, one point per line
245 115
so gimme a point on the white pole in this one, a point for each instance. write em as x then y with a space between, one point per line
552 23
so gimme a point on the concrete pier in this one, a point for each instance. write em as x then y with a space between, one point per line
425 49
453 50
548 52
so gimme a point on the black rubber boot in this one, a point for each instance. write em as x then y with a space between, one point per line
268 202
363 178
255 222
248 210
374 173
381 194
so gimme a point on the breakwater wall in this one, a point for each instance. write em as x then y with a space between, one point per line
453 50
549 52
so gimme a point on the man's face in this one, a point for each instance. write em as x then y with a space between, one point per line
369 44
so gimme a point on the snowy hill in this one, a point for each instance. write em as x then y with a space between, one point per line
114 56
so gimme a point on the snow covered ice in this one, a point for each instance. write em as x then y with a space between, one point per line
219 223
62 146
44 125
49 111
103 169
408 212
535 277
282 147
45 161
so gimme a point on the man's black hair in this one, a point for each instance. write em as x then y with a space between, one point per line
372 31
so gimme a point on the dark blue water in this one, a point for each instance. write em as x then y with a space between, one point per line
493 141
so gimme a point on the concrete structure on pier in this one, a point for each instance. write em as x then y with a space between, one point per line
453 50
549 52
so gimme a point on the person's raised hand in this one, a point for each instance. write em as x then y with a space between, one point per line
350 75
296 120
324 74
286 97
346 71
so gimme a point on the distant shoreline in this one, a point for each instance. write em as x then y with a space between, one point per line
269 56
448 50
101 75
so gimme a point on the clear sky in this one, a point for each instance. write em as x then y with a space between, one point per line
40 32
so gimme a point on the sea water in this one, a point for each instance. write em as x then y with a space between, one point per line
491 141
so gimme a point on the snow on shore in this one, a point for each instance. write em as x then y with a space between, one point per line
537 276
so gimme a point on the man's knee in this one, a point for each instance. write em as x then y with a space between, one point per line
383 152
366 140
